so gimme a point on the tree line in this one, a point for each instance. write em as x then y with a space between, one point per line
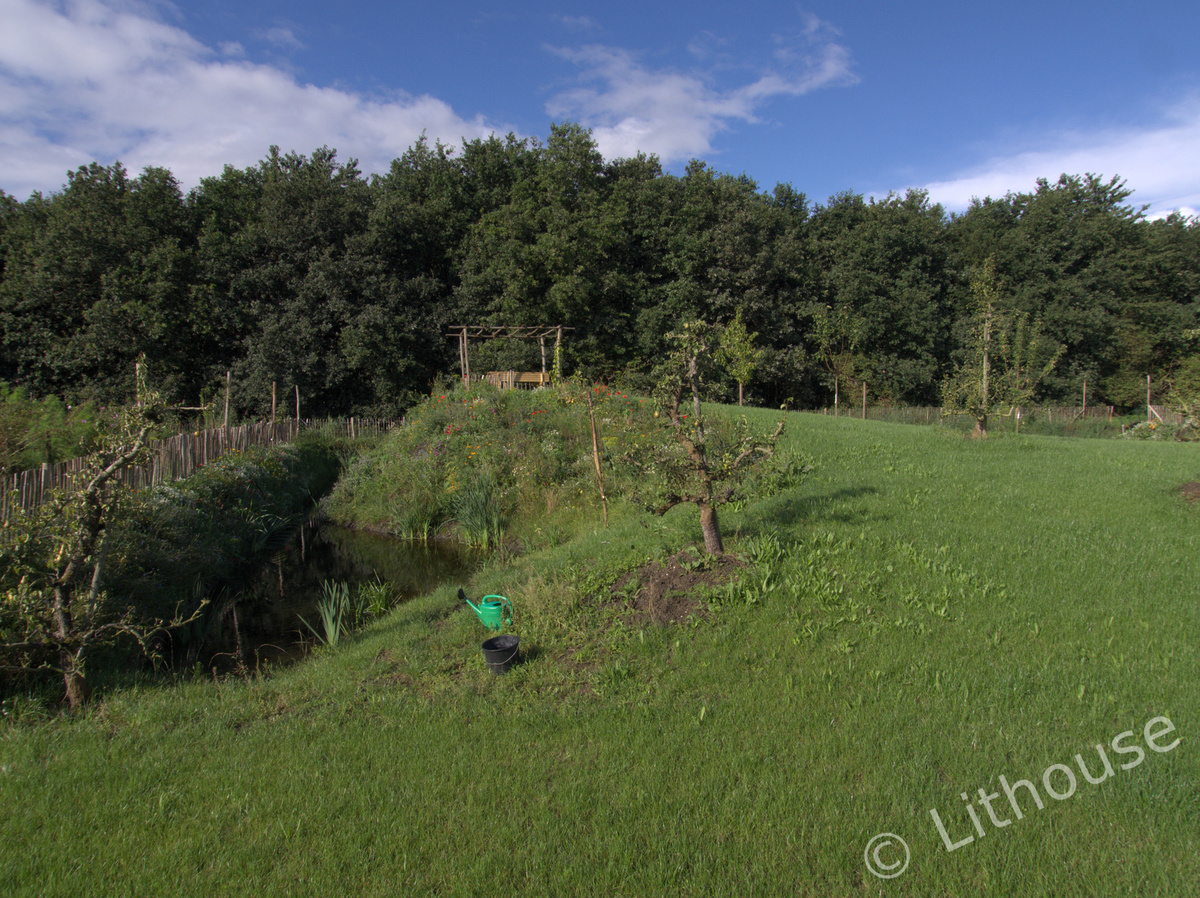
302 271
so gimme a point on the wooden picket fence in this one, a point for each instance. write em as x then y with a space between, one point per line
176 457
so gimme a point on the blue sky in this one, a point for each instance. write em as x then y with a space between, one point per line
963 99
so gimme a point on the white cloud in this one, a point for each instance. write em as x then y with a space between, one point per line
85 80
284 38
676 114
1158 163
577 23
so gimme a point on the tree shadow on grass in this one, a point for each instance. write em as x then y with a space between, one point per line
789 509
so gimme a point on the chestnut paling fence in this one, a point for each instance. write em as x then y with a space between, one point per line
175 457
934 414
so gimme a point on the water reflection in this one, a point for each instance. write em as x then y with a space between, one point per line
267 615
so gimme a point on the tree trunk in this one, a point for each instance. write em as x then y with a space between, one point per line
711 530
985 397
74 682
740 385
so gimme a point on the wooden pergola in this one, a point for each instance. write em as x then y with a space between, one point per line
465 332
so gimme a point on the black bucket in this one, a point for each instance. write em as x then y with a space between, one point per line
500 652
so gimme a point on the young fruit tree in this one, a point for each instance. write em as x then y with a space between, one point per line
838 334
55 611
737 353
699 462
1005 358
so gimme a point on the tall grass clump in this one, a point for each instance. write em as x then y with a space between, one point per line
478 511
417 510
341 610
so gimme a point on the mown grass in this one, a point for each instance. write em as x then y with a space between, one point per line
925 615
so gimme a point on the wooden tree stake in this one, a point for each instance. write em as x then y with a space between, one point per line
596 458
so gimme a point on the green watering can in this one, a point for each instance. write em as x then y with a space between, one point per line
490 610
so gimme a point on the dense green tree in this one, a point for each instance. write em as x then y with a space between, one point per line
421 213
9 210
94 277
297 277
543 258
1077 244
1161 304
732 250
886 261
301 272
1116 290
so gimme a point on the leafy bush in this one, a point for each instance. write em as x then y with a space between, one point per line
1152 430
179 541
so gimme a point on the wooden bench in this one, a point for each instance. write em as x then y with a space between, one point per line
512 380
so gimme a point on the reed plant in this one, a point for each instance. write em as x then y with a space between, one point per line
335 611
477 508
375 598
341 610
417 514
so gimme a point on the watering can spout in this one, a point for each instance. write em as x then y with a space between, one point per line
463 596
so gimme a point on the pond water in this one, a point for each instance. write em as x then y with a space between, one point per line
268 611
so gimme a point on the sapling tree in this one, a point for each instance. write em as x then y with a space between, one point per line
838 333
699 463
1005 357
55 610
737 353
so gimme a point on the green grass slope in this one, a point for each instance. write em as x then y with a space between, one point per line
925 616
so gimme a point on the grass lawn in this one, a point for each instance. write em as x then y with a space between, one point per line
927 617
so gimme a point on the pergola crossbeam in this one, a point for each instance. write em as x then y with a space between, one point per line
487 331
464 332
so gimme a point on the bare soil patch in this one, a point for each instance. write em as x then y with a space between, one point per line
672 591
1191 491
